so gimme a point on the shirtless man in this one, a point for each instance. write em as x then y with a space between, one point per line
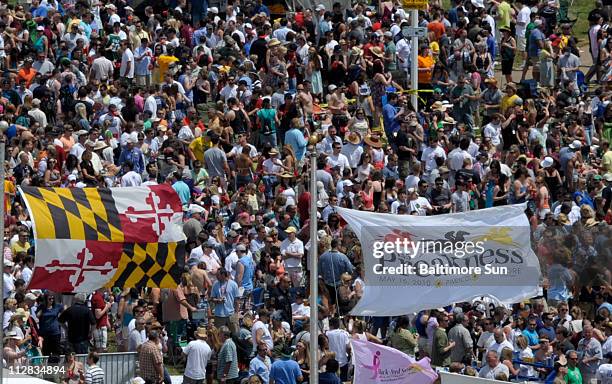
305 101
244 167
199 276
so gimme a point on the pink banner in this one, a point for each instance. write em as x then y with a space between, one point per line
378 364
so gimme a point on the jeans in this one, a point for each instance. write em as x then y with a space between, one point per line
81 347
270 182
242 181
271 139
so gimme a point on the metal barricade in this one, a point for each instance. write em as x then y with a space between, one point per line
119 368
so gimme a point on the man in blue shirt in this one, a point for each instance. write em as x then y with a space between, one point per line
534 45
391 116
224 295
285 370
530 333
181 188
260 364
332 265
295 138
132 154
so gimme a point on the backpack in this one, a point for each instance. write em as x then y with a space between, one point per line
266 125
244 349
66 97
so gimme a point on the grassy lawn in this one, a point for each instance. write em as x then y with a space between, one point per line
579 9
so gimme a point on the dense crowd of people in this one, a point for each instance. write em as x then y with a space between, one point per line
226 103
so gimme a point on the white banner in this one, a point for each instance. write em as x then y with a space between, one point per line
414 263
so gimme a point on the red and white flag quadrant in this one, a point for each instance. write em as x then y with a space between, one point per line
74 265
151 214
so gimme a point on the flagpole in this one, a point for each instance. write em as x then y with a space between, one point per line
3 127
314 274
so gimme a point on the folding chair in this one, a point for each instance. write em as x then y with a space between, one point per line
258 298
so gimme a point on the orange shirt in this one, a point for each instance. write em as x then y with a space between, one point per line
26 74
425 62
437 28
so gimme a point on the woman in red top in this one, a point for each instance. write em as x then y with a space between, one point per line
367 195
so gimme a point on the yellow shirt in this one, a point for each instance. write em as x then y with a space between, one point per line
507 102
9 190
164 62
199 145
606 162
16 248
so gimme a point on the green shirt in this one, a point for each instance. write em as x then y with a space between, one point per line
228 355
266 116
390 52
573 376
440 341
503 11
404 341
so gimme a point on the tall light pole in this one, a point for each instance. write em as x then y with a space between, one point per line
414 65
313 267
3 128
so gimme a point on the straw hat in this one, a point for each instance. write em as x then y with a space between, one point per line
438 106
286 175
273 151
201 333
378 52
20 313
100 145
274 43
19 15
11 335
373 141
354 138
356 51
562 219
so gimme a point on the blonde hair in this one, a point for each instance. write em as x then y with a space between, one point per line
521 341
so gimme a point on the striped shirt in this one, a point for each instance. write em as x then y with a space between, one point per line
228 355
94 375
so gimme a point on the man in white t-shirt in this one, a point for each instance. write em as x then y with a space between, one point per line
337 159
428 158
522 19
493 368
126 71
339 342
292 251
604 374
198 355
130 178
260 332
492 130
499 342
418 205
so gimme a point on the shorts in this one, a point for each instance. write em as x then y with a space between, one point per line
100 337
521 44
535 61
188 380
295 274
143 81
506 66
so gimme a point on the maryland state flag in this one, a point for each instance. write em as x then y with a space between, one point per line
88 238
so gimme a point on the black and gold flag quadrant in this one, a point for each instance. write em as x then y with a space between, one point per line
74 213
156 265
